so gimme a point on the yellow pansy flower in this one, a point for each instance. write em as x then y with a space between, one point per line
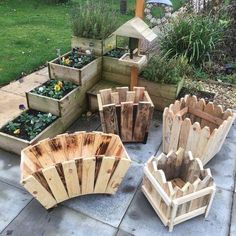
67 61
17 131
57 88
60 84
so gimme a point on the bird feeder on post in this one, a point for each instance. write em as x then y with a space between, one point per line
135 29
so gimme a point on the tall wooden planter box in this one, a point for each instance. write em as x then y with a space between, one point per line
127 113
13 144
114 70
178 187
196 126
71 165
162 95
99 47
74 75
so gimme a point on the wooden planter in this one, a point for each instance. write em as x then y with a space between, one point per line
74 75
196 126
162 95
99 47
178 187
127 113
71 165
13 144
113 70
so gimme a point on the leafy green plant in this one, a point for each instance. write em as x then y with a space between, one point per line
194 36
116 53
94 19
54 89
163 70
29 124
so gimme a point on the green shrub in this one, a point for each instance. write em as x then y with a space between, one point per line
56 1
94 19
194 36
164 70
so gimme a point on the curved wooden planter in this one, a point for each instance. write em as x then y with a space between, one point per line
127 113
196 126
178 187
71 165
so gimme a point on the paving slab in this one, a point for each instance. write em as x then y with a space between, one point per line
25 84
10 168
142 152
141 220
223 166
232 133
9 106
233 220
110 209
34 220
12 201
123 233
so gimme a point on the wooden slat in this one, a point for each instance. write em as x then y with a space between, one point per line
142 121
130 96
115 98
175 132
71 178
32 185
200 106
55 184
110 119
88 174
88 145
100 107
139 94
122 93
117 176
104 174
126 121
105 96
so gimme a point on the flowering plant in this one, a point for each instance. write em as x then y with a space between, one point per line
55 89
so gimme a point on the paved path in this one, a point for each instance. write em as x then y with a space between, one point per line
126 213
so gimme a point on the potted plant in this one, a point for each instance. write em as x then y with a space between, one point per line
163 78
92 26
29 127
75 66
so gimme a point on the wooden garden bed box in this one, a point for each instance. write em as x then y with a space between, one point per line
58 107
15 145
74 75
115 71
162 95
177 187
127 113
99 47
196 126
71 165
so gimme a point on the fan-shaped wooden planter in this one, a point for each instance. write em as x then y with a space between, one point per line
178 187
196 126
127 113
70 165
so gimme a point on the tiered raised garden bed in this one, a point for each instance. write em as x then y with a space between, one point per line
127 113
71 165
196 126
178 187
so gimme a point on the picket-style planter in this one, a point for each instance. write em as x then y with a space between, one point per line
71 165
15 145
99 47
74 75
162 95
196 126
127 113
113 70
177 187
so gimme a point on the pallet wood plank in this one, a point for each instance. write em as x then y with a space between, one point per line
122 93
110 119
139 94
130 96
106 96
126 121
175 131
115 98
168 117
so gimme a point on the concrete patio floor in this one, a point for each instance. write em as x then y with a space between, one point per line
127 212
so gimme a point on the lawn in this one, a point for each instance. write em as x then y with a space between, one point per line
32 30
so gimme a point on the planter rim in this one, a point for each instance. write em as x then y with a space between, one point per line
142 78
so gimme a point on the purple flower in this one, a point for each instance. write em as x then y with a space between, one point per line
22 107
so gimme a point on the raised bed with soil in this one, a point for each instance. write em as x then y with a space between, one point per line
71 165
177 187
196 126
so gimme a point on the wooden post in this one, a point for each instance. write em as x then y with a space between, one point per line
139 9
134 77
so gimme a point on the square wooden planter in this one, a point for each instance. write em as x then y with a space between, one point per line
177 187
162 95
127 113
74 75
196 126
71 165
13 144
113 70
99 47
